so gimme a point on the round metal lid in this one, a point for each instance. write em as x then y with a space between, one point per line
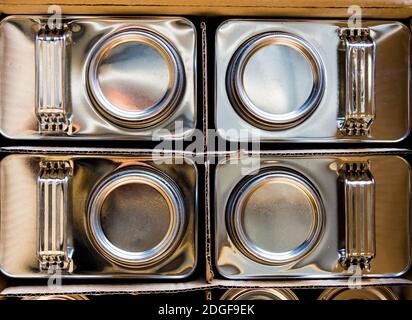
136 217
259 294
135 77
275 80
275 217
375 293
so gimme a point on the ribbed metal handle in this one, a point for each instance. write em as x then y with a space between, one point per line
53 193
358 109
358 205
51 106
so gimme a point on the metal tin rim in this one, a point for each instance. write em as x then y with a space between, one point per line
239 98
157 112
171 193
381 293
275 294
234 211
57 297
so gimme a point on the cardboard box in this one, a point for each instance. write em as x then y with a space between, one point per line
200 11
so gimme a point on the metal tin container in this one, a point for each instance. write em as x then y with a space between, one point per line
259 294
98 77
312 215
368 293
98 216
312 81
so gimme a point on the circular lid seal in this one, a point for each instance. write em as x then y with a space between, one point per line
275 80
135 78
136 217
259 294
275 217
370 293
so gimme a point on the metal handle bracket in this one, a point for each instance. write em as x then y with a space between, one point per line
358 187
52 109
357 111
54 252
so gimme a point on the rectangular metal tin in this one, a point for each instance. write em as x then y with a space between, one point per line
18 81
392 82
18 215
393 189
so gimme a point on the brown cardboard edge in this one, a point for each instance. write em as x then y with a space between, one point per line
101 289
198 285
316 152
92 151
307 283
137 151
209 267
383 9
225 3
209 263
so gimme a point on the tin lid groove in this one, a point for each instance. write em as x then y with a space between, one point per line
135 77
157 238
259 294
368 293
275 80
276 217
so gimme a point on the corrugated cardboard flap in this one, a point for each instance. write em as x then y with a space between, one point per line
298 8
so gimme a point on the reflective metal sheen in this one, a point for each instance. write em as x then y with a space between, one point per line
136 230
275 80
370 293
91 214
276 217
98 77
312 81
312 214
259 294
135 77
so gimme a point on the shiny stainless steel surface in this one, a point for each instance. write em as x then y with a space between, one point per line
303 223
261 236
150 67
127 216
55 248
279 94
160 208
356 185
259 294
371 293
98 78
358 98
288 80
52 108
